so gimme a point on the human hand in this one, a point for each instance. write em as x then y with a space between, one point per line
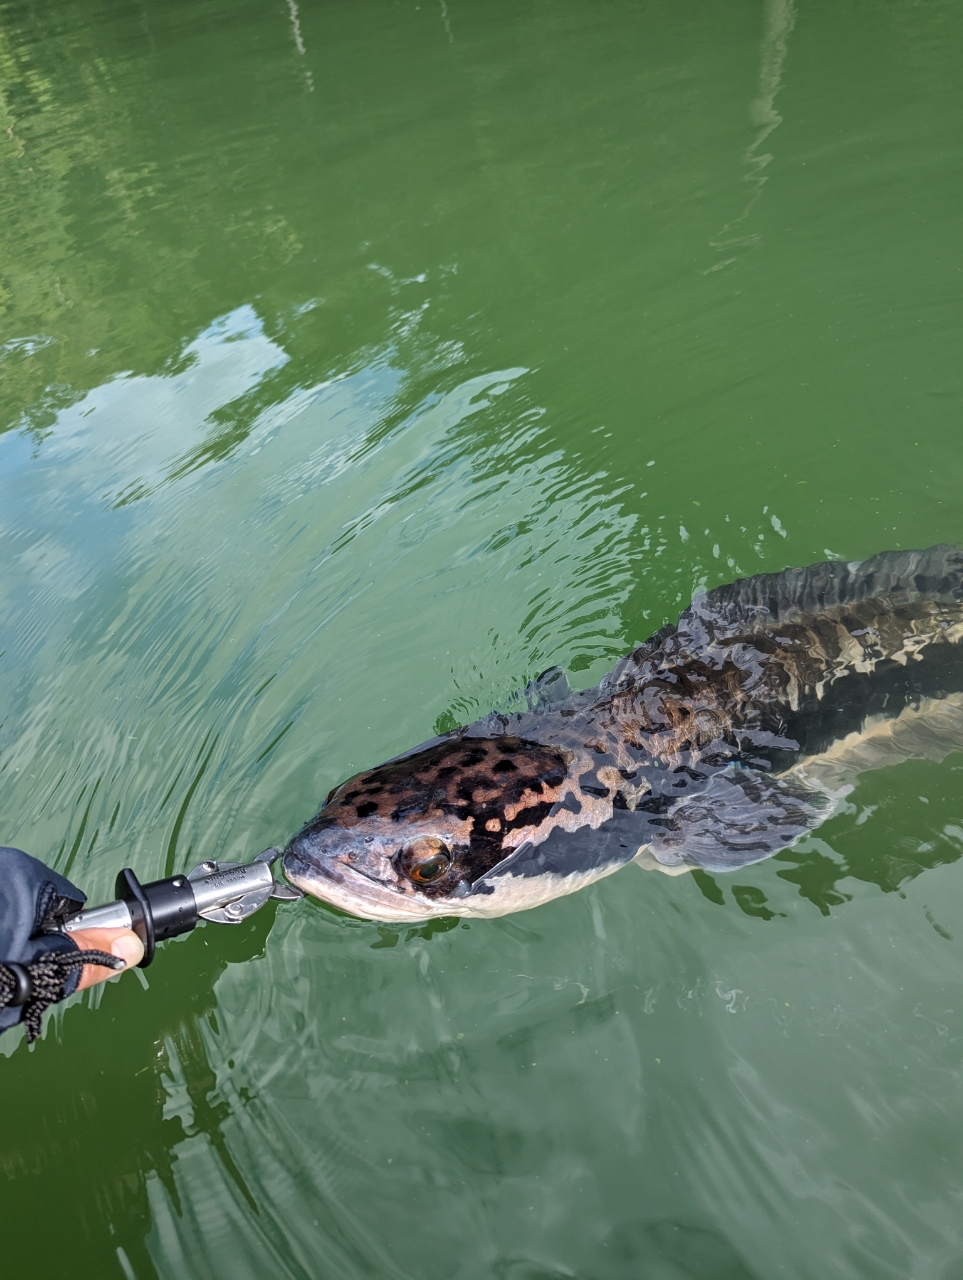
123 943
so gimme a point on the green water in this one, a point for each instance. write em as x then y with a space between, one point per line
359 361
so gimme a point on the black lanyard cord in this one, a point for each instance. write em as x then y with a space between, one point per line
43 982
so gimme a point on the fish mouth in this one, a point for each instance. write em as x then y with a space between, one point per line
358 895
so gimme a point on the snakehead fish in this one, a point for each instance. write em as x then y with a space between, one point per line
718 742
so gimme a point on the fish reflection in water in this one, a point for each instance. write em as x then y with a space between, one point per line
719 742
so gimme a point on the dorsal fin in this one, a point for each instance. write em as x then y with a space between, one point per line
797 596
901 577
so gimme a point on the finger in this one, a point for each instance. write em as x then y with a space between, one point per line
123 943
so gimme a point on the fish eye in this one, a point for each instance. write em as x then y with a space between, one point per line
425 860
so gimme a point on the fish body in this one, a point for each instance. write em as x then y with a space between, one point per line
719 741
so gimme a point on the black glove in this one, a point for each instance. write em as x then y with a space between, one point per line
34 898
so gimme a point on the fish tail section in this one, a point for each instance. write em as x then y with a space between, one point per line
929 730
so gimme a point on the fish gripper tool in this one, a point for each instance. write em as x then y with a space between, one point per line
223 892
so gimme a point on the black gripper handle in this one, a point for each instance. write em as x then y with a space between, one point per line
162 909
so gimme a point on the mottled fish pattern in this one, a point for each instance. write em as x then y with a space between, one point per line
721 740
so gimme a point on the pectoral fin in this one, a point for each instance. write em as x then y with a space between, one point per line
742 816
548 689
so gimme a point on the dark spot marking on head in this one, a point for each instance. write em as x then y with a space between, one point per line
415 803
351 795
474 756
447 771
367 809
505 766
508 748
531 816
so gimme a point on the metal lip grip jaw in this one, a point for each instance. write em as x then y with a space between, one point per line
223 892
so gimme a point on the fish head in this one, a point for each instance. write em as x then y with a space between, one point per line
414 838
